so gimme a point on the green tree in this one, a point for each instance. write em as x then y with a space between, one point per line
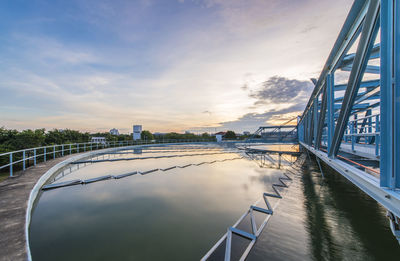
205 135
146 135
28 139
124 137
230 135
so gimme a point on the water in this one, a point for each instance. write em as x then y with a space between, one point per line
172 215
180 213
326 219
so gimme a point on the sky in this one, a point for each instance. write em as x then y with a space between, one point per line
169 65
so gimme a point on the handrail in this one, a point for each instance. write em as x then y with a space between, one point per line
49 146
59 150
366 117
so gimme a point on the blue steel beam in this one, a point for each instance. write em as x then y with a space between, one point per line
390 94
367 38
355 107
321 120
312 117
369 69
371 83
345 39
315 121
331 107
369 94
349 58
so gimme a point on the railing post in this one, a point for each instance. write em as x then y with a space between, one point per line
44 154
377 144
11 164
34 157
77 148
315 121
54 152
352 134
84 147
370 122
70 149
377 136
62 150
23 160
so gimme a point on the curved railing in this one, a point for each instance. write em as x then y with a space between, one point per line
21 159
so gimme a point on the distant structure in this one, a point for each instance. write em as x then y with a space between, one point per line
219 136
246 133
137 131
114 132
101 140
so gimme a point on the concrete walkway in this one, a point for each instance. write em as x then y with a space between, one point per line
14 196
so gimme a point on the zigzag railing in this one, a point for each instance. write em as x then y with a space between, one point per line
256 231
151 157
108 177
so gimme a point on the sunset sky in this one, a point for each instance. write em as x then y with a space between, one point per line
169 65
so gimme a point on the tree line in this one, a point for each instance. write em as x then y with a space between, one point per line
11 140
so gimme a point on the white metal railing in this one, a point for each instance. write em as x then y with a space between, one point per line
359 132
42 154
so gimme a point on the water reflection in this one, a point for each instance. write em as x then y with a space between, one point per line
137 150
272 160
145 217
275 147
180 214
322 244
326 219
343 222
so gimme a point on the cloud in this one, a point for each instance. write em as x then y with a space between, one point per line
245 87
308 28
281 90
283 98
251 121
53 52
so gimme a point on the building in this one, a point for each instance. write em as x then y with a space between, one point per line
246 133
137 132
114 132
219 136
101 140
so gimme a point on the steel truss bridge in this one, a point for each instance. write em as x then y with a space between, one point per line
352 119
275 134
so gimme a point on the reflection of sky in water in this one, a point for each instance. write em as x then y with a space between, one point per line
91 170
177 214
276 147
